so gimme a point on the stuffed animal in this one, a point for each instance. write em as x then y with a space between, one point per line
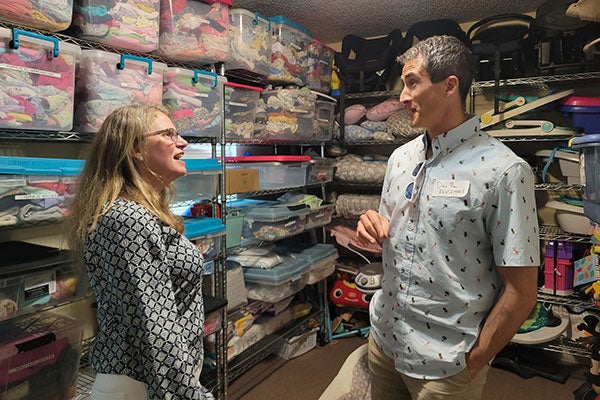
590 325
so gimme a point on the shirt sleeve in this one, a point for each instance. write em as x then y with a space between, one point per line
511 219
146 299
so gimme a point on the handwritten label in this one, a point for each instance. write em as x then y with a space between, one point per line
450 188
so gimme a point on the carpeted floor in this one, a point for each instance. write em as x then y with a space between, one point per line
307 376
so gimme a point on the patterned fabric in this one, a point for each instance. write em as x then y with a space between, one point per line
475 211
147 280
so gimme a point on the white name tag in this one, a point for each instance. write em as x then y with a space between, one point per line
450 188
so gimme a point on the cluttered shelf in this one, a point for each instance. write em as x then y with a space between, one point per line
552 232
532 80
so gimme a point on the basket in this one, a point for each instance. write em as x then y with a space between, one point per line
298 345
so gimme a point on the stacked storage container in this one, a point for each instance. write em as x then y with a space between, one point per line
241 102
194 30
194 98
249 42
325 116
200 182
52 16
290 114
321 258
36 81
589 146
289 51
319 66
275 172
127 24
36 189
206 233
107 81
275 284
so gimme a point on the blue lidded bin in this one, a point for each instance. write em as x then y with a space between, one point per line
589 147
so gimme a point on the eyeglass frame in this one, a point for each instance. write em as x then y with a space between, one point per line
171 133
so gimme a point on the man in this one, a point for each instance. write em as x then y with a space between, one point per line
458 226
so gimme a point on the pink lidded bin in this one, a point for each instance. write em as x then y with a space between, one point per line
37 76
194 98
194 31
52 15
585 112
126 24
107 81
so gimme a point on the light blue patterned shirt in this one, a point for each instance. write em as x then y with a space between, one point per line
472 210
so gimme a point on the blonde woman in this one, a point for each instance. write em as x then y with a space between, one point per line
146 276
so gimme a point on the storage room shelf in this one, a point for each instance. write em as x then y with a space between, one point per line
551 232
556 186
533 80
50 136
370 95
572 300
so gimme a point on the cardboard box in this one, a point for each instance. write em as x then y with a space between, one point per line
240 180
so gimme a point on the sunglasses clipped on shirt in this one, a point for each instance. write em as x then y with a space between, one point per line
412 189
171 133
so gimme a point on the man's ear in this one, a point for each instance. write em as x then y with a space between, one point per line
452 84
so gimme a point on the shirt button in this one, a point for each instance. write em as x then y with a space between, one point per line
411 226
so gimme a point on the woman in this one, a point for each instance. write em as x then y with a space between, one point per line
146 276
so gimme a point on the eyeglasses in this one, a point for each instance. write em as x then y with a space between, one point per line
171 133
412 190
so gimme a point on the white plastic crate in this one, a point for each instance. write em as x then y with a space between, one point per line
298 345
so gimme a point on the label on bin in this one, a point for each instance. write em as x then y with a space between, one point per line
30 70
39 285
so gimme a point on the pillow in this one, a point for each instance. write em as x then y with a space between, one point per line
383 110
354 113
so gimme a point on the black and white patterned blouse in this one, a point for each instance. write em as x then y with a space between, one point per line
147 281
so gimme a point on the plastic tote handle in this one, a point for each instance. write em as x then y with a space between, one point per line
207 73
256 18
121 64
14 43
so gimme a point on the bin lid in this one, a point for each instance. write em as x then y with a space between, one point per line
202 164
311 253
586 141
280 19
273 158
289 269
277 212
581 101
40 166
200 226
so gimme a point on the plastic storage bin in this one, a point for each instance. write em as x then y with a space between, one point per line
200 182
128 24
325 115
298 345
194 30
585 112
39 357
38 81
320 170
206 233
194 98
249 42
241 102
107 81
274 222
52 16
319 66
289 51
277 283
34 277
320 216
290 114
321 258
589 146
275 172
36 189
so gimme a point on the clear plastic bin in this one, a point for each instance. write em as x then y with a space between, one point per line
290 114
194 98
277 175
206 233
200 181
325 116
319 66
320 170
589 146
51 16
274 222
241 102
107 81
321 258
37 81
289 51
249 42
36 189
320 216
277 283
128 24
39 356
194 30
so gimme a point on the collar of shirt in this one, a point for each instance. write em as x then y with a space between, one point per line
445 143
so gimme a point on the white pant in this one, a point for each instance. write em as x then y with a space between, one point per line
118 387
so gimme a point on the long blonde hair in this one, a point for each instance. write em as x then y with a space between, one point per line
111 171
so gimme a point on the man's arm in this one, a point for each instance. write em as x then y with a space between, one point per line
510 311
